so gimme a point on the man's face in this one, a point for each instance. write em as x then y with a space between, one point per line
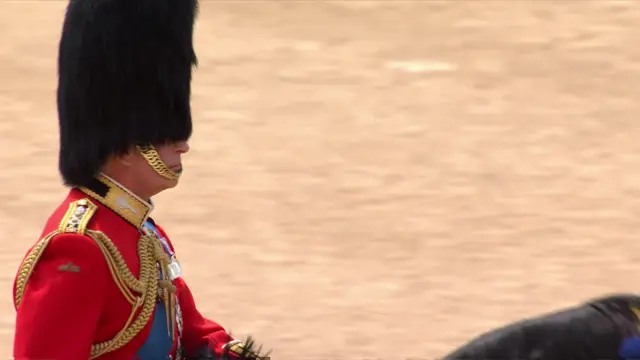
171 156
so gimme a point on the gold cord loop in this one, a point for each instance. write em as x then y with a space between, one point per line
147 286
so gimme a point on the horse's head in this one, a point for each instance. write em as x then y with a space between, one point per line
590 331
623 309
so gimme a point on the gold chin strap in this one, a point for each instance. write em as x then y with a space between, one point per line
151 155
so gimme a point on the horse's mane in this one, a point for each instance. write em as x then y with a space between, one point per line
592 330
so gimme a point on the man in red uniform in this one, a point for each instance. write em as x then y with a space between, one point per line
103 281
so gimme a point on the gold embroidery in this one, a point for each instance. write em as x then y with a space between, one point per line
146 286
77 217
166 289
75 220
70 267
29 264
122 201
153 159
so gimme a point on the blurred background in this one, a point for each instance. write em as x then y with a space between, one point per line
372 179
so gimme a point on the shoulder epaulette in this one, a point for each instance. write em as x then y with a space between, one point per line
77 217
74 221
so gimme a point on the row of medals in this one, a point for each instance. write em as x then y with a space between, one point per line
173 271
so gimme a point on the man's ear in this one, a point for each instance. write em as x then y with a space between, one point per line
127 158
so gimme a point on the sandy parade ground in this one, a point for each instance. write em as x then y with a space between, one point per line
372 179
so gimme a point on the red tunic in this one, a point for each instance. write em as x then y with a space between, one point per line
71 300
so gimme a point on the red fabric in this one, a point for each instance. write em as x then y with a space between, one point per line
198 331
63 313
57 308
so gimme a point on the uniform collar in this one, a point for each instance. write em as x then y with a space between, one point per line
119 199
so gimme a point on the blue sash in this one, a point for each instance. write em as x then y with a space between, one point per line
159 343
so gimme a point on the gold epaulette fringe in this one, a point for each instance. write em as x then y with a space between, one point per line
75 221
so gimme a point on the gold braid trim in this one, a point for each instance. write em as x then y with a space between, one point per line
149 252
75 221
121 201
148 282
153 159
29 264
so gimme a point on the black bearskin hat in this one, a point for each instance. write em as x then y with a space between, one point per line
124 80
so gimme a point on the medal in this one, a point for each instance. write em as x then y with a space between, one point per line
175 271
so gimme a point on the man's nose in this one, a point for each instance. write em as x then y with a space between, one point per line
182 147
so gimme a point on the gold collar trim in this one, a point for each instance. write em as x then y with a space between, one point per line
122 201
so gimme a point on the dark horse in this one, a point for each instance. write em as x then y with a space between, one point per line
594 330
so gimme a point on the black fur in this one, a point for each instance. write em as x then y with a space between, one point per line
591 331
124 79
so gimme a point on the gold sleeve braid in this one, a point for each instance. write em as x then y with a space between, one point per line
75 221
